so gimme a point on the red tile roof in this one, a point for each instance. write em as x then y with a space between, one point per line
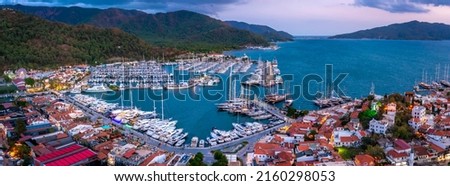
129 153
66 156
73 159
364 160
395 154
401 145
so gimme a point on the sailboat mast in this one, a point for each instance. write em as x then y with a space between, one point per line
230 79
162 107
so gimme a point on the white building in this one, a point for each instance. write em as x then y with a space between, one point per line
419 112
378 127
345 138
391 110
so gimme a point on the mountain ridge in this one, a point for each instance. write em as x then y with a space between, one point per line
32 42
182 29
412 30
267 32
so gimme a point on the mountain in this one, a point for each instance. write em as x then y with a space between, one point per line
31 42
268 33
413 30
181 29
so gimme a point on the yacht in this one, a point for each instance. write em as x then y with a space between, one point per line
98 89
194 141
179 143
201 143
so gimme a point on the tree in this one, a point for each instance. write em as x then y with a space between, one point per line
24 153
375 151
197 160
7 79
403 132
30 81
221 159
311 136
21 127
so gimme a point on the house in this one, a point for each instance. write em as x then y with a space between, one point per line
265 152
364 160
400 154
391 110
418 112
345 138
378 127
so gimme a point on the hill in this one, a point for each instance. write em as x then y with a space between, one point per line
31 42
181 29
413 30
267 32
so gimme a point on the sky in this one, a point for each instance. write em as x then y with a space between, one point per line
298 17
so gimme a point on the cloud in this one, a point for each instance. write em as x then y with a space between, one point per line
203 6
402 6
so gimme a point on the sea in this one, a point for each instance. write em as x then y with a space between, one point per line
353 67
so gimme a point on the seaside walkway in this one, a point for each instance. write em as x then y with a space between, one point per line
209 157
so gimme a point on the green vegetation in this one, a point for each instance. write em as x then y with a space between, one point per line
294 113
30 81
7 79
413 30
366 116
183 30
375 151
8 89
311 135
221 159
348 153
268 33
25 37
20 128
197 160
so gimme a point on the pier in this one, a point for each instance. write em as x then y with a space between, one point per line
251 139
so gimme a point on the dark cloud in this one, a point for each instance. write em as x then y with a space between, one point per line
402 6
203 6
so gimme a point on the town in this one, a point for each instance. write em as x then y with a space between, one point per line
41 126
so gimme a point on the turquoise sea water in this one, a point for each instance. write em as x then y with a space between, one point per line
393 66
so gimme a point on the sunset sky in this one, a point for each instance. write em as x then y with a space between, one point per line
298 17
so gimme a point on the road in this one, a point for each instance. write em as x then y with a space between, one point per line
208 156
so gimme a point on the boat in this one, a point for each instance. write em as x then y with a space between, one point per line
194 141
262 117
424 85
288 102
275 98
75 90
445 83
179 143
201 143
98 89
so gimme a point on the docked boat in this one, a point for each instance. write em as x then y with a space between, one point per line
201 143
179 143
445 83
288 102
194 141
262 117
275 98
425 85
98 89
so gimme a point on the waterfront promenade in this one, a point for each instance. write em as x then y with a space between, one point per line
251 139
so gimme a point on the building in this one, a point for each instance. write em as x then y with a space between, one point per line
68 156
391 110
378 127
400 153
364 160
419 112
345 138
